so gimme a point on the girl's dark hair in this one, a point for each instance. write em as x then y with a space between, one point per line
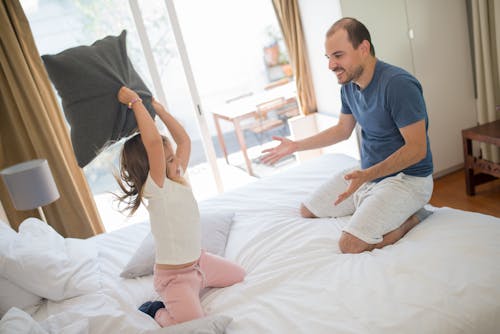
356 32
134 169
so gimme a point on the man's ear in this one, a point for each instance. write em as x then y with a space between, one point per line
365 45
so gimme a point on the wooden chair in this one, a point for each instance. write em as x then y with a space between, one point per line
267 116
289 110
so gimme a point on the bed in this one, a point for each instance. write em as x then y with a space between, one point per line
442 277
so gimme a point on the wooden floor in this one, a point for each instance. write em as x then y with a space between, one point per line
449 191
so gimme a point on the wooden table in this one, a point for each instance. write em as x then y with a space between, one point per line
486 170
244 108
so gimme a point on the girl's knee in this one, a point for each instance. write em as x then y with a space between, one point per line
239 273
178 313
233 274
163 318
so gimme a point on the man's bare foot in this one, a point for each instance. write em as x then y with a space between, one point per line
393 236
350 244
304 212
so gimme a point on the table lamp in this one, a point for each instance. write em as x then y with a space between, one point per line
30 185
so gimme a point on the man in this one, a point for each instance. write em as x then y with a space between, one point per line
395 178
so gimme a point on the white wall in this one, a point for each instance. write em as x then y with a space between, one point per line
317 17
446 76
438 55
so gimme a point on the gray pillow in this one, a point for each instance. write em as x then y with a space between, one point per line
87 78
215 229
214 324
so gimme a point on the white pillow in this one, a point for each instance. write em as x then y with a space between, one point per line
215 229
44 263
214 324
12 295
18 321
321 201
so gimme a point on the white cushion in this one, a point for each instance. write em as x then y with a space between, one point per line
44 263
215 229
12 295
18 321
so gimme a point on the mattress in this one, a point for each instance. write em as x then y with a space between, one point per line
442 277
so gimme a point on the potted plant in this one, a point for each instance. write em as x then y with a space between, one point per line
275 55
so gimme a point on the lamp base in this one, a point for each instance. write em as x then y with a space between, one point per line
42 215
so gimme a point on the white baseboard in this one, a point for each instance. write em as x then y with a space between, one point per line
447 171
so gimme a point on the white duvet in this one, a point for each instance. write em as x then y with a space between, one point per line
442 277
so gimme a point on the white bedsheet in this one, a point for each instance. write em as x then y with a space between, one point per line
442 277
113 308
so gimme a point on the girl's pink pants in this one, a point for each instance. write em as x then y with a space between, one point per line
179 289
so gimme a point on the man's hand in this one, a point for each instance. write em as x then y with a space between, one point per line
286 147
356 178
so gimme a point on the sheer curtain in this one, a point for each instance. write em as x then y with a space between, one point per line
32 127
288 15
485 16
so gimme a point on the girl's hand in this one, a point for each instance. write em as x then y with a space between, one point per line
125 95
156 105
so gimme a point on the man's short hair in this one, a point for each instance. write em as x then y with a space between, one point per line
356 32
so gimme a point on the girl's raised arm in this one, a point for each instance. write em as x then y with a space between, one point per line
178 133
150 135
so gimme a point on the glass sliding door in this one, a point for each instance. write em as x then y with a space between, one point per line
195 56
58 25
239 61
163 46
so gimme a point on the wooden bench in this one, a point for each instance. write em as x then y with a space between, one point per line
477 169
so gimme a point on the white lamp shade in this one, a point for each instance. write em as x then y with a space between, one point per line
30 184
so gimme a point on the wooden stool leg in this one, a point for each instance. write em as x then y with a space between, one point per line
220 137
468 167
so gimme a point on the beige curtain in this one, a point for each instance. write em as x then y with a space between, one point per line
288 15
486 40
32 127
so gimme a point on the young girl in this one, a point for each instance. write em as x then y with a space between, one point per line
151 169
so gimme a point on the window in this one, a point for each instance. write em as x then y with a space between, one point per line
226 52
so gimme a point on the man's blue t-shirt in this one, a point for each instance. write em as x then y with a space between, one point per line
392 100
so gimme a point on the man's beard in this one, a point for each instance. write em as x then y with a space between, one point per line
351 76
